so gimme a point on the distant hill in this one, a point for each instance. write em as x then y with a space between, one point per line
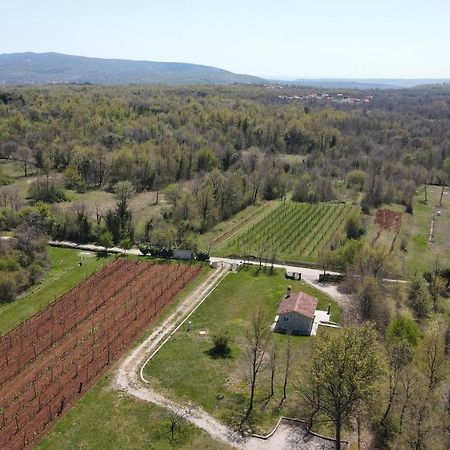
46 68
382 83
50 68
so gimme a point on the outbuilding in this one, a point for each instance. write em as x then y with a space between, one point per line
296 313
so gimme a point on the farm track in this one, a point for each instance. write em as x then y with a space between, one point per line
51 359
130 376
131 379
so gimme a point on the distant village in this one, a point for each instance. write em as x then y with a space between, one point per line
333 98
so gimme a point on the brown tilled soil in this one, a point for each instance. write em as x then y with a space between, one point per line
51 359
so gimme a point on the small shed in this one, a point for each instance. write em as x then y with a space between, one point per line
182 254
296 314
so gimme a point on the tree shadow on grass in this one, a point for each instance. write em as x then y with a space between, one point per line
214 354
221 346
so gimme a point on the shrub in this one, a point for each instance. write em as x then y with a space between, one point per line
353 227
403 328
126 243
36 272
39 190
8 287
419 299
144 249
105 239
221 345
160 252
356 179
202 256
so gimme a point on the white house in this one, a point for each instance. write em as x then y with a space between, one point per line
296 314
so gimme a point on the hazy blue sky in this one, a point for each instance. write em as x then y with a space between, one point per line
304 38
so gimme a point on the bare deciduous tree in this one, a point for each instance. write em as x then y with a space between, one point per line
257 344
434 361
272 366
287 368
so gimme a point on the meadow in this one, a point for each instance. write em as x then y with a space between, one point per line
184 369
412 252
105 419
142 206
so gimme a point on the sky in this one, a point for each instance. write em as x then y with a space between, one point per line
279 38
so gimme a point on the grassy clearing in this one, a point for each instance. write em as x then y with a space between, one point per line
65 273
297 231
420 255
12 169
142 206
184 370
105 419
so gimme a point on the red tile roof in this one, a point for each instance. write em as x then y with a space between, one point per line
298 302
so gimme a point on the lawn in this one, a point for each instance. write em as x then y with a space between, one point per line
184 370
64 274
105 419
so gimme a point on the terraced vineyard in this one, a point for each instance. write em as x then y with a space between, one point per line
298 232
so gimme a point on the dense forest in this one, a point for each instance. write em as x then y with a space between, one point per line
220 149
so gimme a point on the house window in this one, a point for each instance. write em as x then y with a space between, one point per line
286 319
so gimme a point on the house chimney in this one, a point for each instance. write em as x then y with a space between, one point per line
288 292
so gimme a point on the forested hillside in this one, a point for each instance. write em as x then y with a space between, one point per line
50 68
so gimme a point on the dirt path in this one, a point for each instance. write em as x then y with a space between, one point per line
130 375
130 378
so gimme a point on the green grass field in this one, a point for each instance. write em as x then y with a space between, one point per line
13 170
297 232
184 370
64 274
421 255
105 419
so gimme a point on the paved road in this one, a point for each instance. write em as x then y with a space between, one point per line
309 275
